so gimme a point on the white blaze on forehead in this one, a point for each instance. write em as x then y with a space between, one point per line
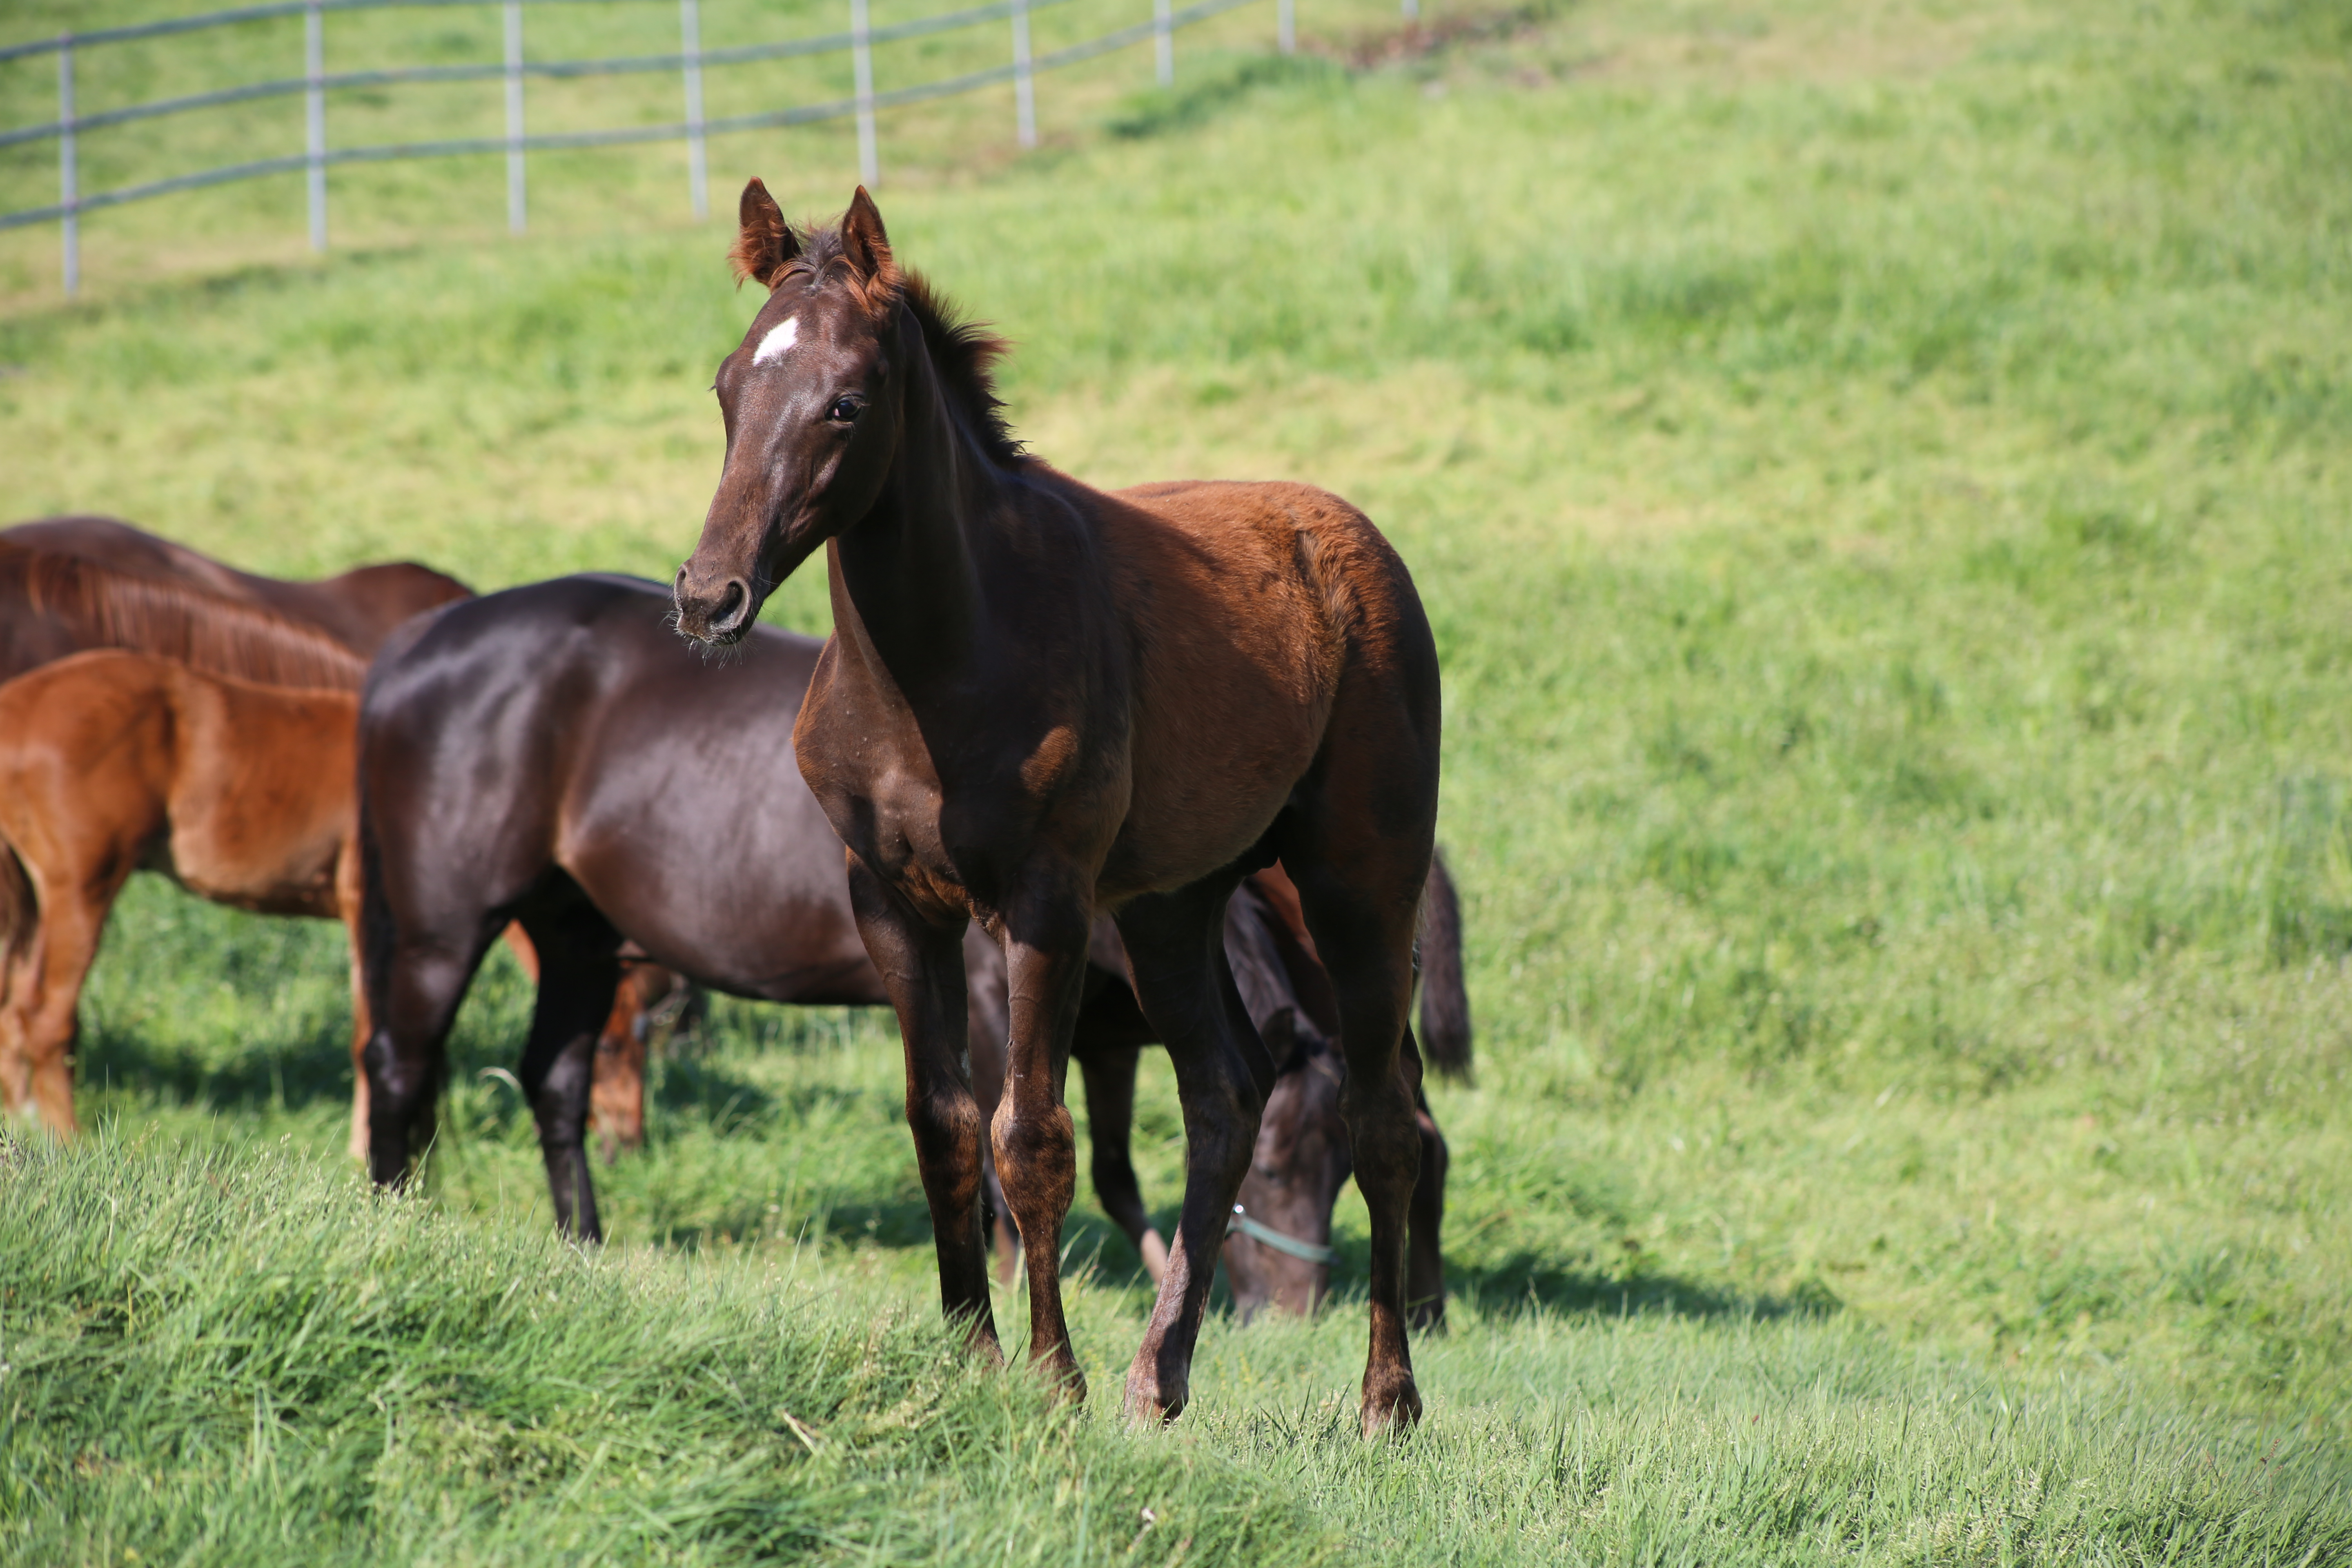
778 340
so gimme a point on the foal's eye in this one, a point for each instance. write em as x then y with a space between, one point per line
844 410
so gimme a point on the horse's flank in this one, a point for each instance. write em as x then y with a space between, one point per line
112 761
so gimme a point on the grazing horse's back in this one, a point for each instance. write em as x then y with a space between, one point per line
357 608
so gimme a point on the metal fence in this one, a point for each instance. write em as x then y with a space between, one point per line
689 62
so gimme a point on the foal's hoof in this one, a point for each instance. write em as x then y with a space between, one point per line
1151 1402
979 1338
1390 1406
1065 1382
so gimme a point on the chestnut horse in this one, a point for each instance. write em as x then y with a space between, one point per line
113 761
1042 702
553 755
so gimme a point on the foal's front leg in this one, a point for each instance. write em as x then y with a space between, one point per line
921 966
1034 1142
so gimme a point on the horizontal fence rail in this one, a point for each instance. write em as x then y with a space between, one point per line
690 61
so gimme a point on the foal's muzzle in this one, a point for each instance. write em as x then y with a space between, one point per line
720 618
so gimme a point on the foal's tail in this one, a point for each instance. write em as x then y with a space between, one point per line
1444 1002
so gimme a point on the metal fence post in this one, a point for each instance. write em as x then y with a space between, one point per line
1024 86
1286 24
862 51
698 152
1163 42
516 212
314 120
68 177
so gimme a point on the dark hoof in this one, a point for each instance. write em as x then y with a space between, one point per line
1063 1381
1150 1403
1390 1407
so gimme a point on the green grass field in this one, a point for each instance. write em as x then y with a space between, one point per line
1879 475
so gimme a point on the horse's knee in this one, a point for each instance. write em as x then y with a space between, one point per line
1383 1135
561 1091
948 1118
1036 1155
946 1132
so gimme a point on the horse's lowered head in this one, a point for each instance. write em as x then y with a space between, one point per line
1279 1252
817 400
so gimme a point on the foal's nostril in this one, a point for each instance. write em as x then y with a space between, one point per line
734 600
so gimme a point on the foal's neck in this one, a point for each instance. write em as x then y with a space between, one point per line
907 595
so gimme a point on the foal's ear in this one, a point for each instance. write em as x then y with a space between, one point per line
862 239
766 243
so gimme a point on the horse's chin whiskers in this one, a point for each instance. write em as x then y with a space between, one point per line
720 650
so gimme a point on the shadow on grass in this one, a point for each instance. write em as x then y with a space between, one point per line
1522 1276
301 1074
701 1092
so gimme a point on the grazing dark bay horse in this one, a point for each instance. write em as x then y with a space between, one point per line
73 582
114 762
554 754
1042 702
1278 1254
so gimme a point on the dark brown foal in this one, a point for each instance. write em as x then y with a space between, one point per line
1041 701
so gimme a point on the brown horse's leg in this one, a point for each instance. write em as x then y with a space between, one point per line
1424 1268
922 966
1031 1135
1175 946
72 921
1363 931
579 971
73 892
1109 1076
348 899
616 1096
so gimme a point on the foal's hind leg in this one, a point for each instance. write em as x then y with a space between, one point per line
1109 1075
1424 1264
579 970
1176 948
1362 921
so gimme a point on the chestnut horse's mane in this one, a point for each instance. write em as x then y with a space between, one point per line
964 352
176 620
